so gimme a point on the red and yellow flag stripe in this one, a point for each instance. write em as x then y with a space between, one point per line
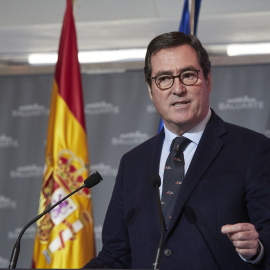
65 237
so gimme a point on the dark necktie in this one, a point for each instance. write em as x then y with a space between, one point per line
173 176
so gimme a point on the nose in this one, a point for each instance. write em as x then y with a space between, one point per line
178 87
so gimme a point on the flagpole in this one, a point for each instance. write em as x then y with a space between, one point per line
192 16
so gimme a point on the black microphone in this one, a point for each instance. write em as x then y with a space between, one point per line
192 219
156 181
89 182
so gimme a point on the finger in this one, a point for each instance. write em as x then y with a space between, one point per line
237 228
244 235
247 249
249 244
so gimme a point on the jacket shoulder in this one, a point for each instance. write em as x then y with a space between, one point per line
154 141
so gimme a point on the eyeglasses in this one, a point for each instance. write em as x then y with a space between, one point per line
166 81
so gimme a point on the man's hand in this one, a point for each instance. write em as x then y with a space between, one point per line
244 237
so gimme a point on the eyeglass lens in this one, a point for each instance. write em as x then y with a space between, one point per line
189 77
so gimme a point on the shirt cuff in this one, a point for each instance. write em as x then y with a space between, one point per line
259 256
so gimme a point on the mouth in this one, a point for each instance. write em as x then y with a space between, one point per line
180 104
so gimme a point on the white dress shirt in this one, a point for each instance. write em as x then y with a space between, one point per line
193 134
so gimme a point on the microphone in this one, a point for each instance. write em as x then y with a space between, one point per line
156 181
192 219
89 182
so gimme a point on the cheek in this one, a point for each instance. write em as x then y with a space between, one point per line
161 100
156 95
202 96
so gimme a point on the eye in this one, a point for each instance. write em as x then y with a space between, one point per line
164 78
189 75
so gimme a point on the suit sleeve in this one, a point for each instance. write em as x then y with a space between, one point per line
115 252
258 192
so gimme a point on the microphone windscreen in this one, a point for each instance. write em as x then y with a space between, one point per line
155 179
93 180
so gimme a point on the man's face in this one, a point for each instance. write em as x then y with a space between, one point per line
181 107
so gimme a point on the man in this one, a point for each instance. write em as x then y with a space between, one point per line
221 216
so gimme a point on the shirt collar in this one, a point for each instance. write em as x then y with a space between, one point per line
194 134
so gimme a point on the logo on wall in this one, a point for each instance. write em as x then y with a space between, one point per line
132 138
6 202
29 233
103 169
101 108
30 110
241 103
27 172
6 141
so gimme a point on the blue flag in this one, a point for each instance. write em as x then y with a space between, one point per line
185 23
185 28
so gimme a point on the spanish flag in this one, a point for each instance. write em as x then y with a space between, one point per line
65 237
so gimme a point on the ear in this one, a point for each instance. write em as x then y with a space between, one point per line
150 91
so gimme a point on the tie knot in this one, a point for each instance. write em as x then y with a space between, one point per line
180 143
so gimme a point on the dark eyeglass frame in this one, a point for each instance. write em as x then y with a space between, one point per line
176 76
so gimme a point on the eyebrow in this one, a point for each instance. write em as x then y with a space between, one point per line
169 72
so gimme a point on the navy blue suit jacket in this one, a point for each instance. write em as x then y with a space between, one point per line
228 182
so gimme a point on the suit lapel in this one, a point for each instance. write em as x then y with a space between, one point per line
153 156
207 150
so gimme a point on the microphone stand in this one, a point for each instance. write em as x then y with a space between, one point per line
156 182
16 249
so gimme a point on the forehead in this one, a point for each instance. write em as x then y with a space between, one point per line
174 58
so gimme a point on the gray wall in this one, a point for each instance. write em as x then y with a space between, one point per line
119 116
